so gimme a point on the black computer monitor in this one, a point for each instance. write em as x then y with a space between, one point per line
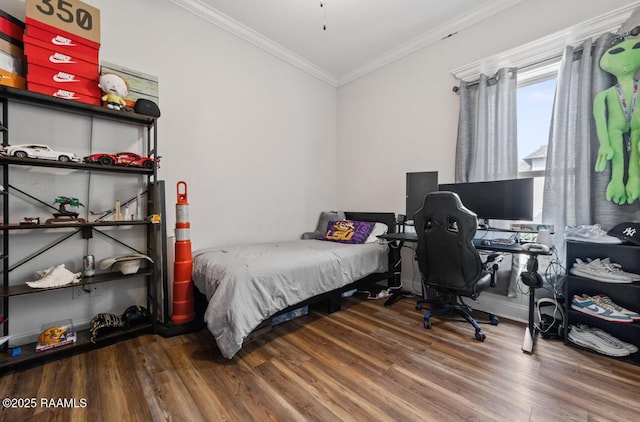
497 200
419 184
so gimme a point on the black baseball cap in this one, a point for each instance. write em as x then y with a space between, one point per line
629 232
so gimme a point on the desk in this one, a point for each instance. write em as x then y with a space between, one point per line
531 331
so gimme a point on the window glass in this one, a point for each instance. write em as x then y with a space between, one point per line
535 105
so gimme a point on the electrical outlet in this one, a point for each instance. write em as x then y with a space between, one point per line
79 292
82 292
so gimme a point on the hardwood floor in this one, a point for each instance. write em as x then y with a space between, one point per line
364 363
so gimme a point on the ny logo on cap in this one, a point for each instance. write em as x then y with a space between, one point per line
629 231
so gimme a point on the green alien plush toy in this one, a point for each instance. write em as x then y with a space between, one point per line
618 122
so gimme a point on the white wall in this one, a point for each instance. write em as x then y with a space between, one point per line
253 137
403 117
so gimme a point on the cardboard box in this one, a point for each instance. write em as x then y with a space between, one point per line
12 48
62 41
11 26
72 16
63 93
141 85
11 63
63 80
12 80
40 56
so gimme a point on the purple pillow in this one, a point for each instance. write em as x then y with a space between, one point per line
346 231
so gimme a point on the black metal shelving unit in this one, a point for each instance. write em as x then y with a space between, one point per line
626 295
155 244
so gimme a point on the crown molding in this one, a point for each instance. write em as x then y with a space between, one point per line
223 21
444 30
436 34
546 48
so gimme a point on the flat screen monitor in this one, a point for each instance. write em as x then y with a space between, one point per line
497 200
419 184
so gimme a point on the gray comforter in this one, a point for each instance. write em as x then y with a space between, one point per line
247 284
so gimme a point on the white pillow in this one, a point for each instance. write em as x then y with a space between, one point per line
378 229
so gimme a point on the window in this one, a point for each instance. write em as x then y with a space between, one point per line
536 91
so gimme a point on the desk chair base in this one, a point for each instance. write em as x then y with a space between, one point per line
461 309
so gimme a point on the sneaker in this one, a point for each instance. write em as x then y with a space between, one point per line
583 336
605 301
603 270
592 233
617 268
587 305
609 337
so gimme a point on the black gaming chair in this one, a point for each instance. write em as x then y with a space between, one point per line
447 259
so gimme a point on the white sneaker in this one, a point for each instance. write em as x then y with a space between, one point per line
605 335
582 336
603 270
592 233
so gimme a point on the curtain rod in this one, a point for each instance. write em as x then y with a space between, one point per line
529 67
577 52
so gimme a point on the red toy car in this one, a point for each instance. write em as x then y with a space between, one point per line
121 158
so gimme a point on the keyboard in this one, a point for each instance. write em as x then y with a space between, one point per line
508 241
497 244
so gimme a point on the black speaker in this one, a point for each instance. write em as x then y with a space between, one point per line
146 107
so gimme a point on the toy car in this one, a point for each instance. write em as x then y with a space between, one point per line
102 158
121 158
38 151
30 220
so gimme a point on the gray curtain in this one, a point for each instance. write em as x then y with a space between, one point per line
487 147
574 193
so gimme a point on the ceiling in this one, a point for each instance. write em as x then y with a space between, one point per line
360 35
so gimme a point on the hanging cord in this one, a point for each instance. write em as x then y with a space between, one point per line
324 15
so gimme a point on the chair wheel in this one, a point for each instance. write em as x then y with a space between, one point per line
494 320
427 323
418 306
480 336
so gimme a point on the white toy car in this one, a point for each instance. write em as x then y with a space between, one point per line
38 151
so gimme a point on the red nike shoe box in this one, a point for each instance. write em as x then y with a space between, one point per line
63 80
63 93
38 55
64 42
11 26
67 51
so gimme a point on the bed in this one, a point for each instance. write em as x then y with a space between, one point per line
246 285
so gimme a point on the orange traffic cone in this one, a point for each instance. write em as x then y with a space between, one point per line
183 302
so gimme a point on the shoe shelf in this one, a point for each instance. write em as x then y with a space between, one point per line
626 295
29 356
46 101
24 289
